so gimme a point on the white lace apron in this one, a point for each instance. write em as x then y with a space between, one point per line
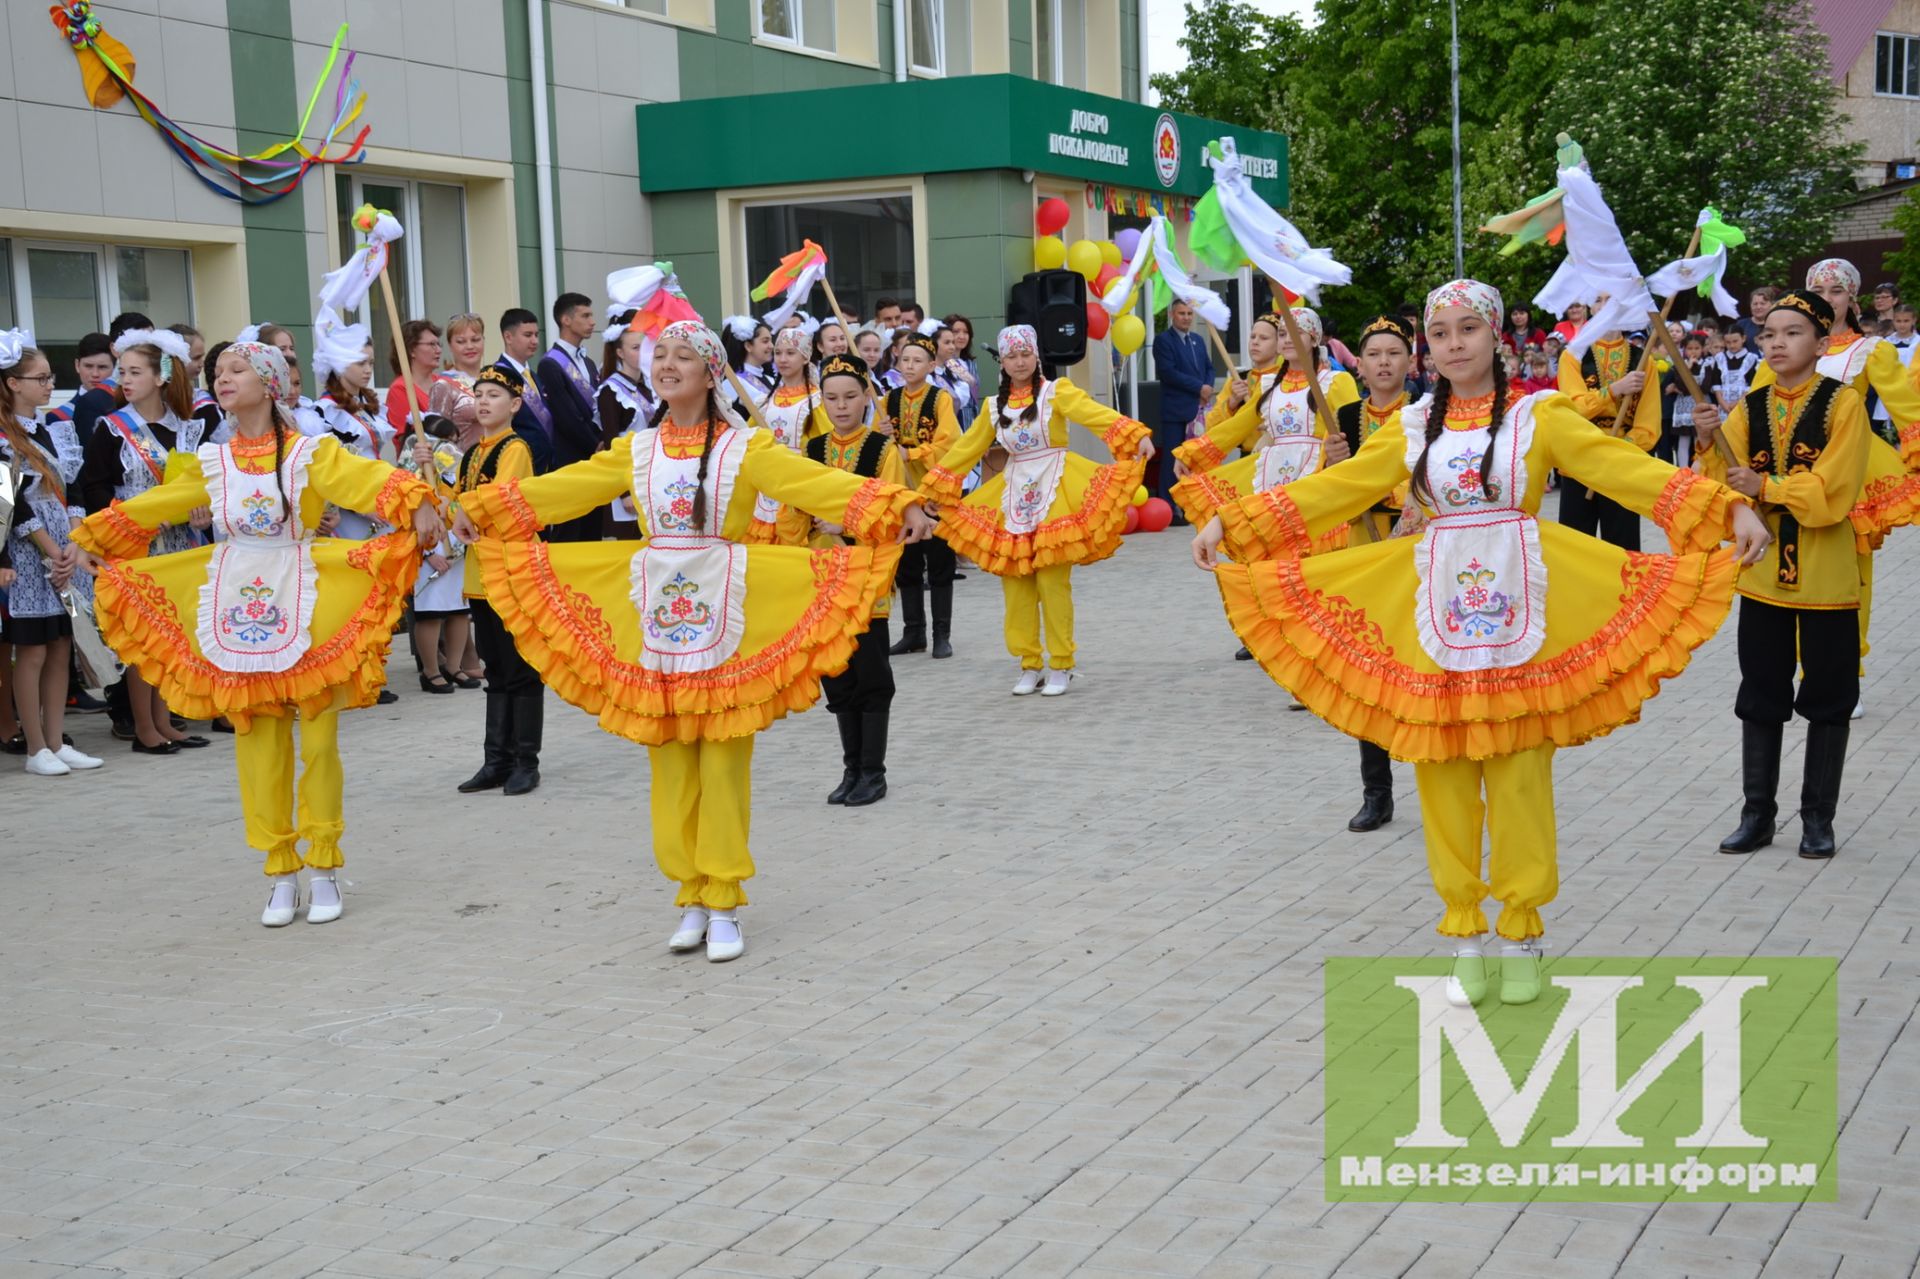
1034 465
689 586
788 423
1289 448
256 610
1481 602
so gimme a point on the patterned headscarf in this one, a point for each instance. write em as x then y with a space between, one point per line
1017 339
702 339
1834 271
1309 321
796 337
1470 294
266 360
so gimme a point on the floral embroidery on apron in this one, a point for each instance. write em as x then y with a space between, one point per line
1034 465
256 610
689 585
1481 602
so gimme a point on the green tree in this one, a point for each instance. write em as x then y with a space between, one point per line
1737 112
1238 63
1905 261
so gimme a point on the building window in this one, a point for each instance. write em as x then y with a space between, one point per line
868 239
806 23
939 36
1896 66
1060 42
429 263
63 291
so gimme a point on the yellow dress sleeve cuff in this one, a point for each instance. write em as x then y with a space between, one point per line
400 497
941 485
1200 454
1266 526
1695 512
877 510
1124 437
498 510
113 534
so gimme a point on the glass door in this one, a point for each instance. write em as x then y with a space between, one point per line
65 300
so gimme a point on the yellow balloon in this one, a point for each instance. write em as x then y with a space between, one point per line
1110 253
1083 256
1128 332
1140 496
1049 253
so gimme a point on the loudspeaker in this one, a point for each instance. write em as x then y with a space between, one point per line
1055 304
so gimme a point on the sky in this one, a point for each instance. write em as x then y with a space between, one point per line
1166 22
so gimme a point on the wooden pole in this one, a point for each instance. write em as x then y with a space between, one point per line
1695 390
406 375
740 391
1303 354
1623 413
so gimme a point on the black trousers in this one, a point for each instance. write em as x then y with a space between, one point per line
1824 643
867 683
507 671
1587 511
923 563
1376 770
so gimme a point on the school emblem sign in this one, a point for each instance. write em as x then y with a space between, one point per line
1166 149
1710 1080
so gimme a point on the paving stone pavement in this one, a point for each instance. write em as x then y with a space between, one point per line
1051 1008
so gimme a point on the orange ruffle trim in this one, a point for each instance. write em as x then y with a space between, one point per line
1327 653
1886 503
1204 494
1695 512
1200 455
139 621
1267 527
563 635
1085 536
1910 446
112 534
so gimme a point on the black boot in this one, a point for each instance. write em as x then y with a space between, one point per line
529 719
849 722
873 760
1820 791
1376 779
913 639
1760 782
499 757
942 593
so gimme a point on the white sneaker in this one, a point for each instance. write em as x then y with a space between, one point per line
1029 683
76 759
724 939
1859 709
692 931
1057 682
324 902
44 763
282 903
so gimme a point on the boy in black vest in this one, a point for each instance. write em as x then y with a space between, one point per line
924 426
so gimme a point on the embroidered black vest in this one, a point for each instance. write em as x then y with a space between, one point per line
1802 451
918 432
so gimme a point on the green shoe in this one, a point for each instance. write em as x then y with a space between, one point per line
1519 972
1468 985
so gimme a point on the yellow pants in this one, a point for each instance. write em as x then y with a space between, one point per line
1047 593
701 802
263 753
1866 602
1517 815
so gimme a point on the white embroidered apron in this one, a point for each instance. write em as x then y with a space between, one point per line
788 423
1481 602
689 585
1034 465
1289 448
256 610
1844 366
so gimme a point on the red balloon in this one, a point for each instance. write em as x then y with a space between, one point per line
1156 515
1133 521
1108 274
1051 215
1097 321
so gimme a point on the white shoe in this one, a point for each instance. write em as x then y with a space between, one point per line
77 759
282 903
1467 985
44 763
692 931
1859 709
1029 683
324 902
1057 682
724 939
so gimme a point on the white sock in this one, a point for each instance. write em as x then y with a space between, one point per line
1467 946
1514 949
325 891
286 892
722 926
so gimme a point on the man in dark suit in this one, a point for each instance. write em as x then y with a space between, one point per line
520 344
1186 385
569 384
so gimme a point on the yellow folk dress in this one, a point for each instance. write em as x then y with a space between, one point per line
1478 648
691 640
270 621
1048 511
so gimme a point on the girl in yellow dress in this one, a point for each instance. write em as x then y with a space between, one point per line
691 641
1049 510
1278 428
270 621
794 416
1477 649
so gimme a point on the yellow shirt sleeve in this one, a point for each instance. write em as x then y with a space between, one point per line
572 490
1075 405
1592 405
785 476
516 461
1606 463
168 503
352 482
946 431
967 451
1891 381
1824 494
1329 498
1237 430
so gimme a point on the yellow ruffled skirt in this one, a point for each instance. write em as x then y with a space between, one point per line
1338 632
570 610
1889 497
1083 525
148 611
